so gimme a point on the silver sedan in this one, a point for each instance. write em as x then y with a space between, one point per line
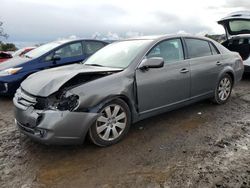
123 83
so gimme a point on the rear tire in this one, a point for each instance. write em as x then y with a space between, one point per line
112 124
223 90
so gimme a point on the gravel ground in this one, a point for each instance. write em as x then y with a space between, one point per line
202 145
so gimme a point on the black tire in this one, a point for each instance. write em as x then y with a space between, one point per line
98 137
218 98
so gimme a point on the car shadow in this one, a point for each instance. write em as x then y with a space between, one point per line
6 98
246 76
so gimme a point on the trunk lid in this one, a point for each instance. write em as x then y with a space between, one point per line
237 23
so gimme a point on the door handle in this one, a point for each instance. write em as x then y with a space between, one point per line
218 63
184 70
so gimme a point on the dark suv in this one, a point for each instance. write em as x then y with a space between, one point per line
49 55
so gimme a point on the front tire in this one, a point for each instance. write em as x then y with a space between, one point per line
112 124
223 89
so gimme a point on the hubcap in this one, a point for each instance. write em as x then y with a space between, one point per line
224 89
111 123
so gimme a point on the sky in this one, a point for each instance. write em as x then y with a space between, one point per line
30 22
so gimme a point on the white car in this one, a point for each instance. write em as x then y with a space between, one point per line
237 27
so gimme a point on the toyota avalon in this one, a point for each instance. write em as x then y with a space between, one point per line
123 83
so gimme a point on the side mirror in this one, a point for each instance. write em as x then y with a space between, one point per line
154 62
56 57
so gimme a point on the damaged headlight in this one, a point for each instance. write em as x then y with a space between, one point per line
68 103
65 102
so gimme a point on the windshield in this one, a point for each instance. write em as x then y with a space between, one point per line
239 25
17 53
117 55
42 49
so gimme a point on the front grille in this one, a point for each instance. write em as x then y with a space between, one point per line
24 98
27 100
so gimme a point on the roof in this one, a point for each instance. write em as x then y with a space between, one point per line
62 41
148 37
166 36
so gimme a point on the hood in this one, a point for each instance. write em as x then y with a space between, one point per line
14 62
47 82
236 23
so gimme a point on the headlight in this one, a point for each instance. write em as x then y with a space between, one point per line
10 71
68 103
65 103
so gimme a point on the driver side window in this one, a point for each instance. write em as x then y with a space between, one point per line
49 57
170 50
69 50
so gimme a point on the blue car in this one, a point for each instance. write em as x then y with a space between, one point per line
53 54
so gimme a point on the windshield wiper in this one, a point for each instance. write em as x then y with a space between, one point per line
97 65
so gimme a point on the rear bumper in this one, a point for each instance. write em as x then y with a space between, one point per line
53 127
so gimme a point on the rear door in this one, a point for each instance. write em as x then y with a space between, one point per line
163 87
205 66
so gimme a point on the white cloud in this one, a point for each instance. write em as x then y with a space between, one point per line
46 20
131 34
113 36
182 32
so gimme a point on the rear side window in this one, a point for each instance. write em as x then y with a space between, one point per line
214 50
92 46
197 48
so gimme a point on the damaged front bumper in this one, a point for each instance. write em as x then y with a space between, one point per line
52 126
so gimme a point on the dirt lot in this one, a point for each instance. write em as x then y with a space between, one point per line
203 145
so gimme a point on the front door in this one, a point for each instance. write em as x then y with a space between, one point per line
160 88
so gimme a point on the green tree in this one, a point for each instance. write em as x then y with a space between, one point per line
7 47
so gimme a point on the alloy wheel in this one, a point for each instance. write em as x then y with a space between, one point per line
224 89
112 122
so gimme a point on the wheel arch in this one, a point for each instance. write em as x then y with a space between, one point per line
229 71
122 97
